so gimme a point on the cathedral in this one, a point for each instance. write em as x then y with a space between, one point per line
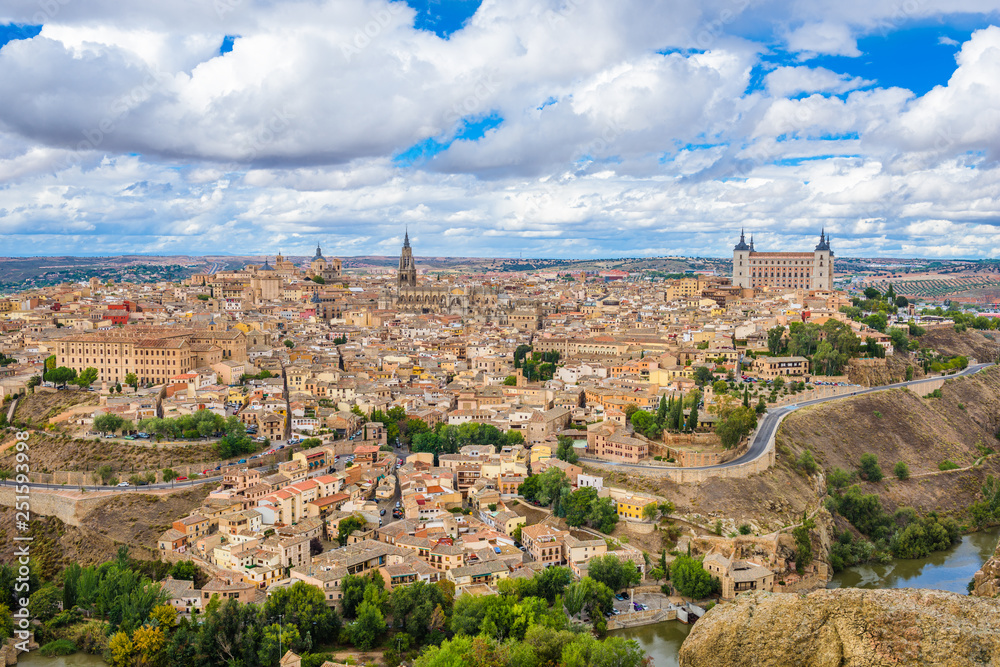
327 269
465 301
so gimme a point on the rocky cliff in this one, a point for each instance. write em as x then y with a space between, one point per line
847 628
986 583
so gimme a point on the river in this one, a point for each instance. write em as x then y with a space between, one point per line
660 641
78 659
949 570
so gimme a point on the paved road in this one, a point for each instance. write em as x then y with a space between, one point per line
767 427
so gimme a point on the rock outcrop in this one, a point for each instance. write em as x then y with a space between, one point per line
847 627
986 582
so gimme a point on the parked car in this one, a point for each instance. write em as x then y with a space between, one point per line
181 479
242 461
129 437
123 484
382 513
207 472
255 456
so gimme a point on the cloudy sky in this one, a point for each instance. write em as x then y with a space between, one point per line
552 128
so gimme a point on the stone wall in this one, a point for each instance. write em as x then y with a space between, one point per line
66 507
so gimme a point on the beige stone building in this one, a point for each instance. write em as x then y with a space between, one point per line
799 270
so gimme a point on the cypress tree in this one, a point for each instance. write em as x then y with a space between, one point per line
692 422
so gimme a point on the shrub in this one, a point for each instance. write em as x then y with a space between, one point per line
870 469
58 647
807 462
901 470
745 529
838 478
947 465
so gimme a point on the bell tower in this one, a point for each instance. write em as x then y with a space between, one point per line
407 275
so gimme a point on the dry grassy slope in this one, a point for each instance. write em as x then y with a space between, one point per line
921 431
42 406
767 501
49 453
133 519
973 344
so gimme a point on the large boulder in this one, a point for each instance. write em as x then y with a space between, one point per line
847 627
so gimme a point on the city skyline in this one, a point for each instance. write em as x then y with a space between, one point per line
544 129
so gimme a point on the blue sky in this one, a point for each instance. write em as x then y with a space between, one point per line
549 128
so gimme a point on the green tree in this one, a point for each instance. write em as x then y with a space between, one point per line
44 603
870 469
60 375
510 381
109 422
603 515
692 420
803 545
303 605
86 377
614 573
348 526
901 470
565 450
185 569
578 505
735 425
691 579
775 344
589 595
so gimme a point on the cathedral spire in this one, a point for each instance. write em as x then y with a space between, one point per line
406 238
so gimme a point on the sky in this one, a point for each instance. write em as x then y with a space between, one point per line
541 128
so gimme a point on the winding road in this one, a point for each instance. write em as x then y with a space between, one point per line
758 446
769 425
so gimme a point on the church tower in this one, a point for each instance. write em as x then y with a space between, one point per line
407 276
741 263
822 269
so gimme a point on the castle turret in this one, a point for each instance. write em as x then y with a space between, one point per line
741 262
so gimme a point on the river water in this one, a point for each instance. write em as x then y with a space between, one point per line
78 659
949 570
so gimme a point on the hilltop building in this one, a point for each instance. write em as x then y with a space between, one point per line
799 270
